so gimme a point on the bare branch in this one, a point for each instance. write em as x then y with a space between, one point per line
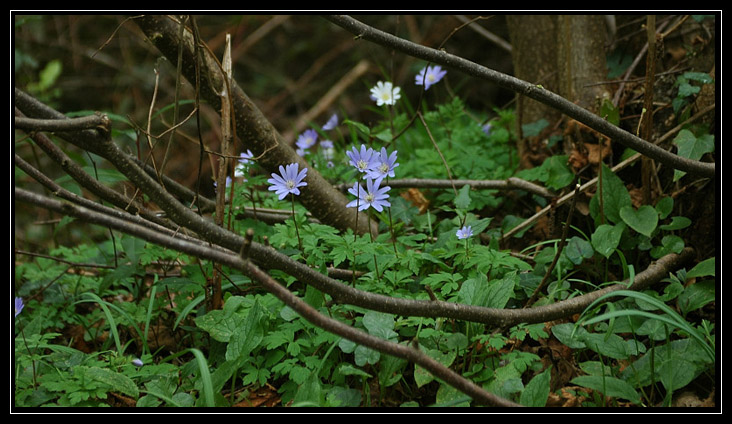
535 92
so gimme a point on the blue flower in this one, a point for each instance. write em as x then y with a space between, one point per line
307 139
326 144
374 196
383 164
228 182
464 232
288 181
385 93
429 76
244 157
362 160
18 305
332 123
137 362
487 128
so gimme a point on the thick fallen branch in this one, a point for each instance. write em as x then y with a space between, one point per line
538 93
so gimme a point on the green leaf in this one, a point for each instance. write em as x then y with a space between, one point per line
248 335
115 381
614 196
692 147
610 112
606 238
696 296
677 223
643 220
379 324
577 250
704 268
609 386
536 391
222 324
533 129
497 293
669 244
462 201
664 206
610 345
422 376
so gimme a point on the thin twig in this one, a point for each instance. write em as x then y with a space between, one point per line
560 248
434 143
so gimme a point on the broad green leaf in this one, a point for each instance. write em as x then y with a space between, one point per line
614 196
609 386
664 206
569 335
379 324
448 396
669 244
536 391
704 268
248 335
696 296
577 250
610 345
610 112
462 201
422 376
115 381
606 238
534 128
363 355
677 223
222 324
643 220
692 147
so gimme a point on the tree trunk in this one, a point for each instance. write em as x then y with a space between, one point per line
564 54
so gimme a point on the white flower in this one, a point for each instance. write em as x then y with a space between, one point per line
385 93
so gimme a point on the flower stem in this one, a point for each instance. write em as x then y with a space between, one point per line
376 266
294 219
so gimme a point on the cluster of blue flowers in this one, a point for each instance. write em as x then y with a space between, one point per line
374 165
309 138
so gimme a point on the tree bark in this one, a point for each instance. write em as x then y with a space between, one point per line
252 127
565 54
